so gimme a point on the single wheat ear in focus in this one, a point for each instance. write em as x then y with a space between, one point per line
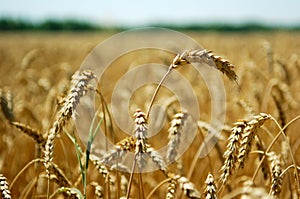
79 86
205 56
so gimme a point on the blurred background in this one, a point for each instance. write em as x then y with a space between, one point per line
190 14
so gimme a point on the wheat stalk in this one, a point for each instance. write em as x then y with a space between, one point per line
4 187
265 166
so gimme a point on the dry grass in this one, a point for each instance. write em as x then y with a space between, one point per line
39 95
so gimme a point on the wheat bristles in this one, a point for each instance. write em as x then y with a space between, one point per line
231 153
175 135
210 189
5 192
77 90
248 136
276 182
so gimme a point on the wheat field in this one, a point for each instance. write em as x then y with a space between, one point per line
256 156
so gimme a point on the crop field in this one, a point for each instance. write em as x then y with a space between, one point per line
49 148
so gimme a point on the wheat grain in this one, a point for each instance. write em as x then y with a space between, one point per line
210 189
4 187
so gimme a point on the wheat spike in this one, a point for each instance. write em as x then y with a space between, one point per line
276 182
249 191
248 136
101 168
7 105
33 133
205 56
174 135
98 190
231 153
78 88
172 187
210 189
157 159
141 137
188 188
126 145
4 187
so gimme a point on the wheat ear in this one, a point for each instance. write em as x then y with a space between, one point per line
98 190
205 56
231 153
175 135
141 137
172 187
119 150
31 132
210 189
248 136
7 105
78 88
188 188
4 187
276 182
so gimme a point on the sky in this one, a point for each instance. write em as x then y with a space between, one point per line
139 12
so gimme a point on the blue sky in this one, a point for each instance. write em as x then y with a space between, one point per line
139 12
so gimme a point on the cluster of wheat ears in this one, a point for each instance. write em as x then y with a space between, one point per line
276 171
